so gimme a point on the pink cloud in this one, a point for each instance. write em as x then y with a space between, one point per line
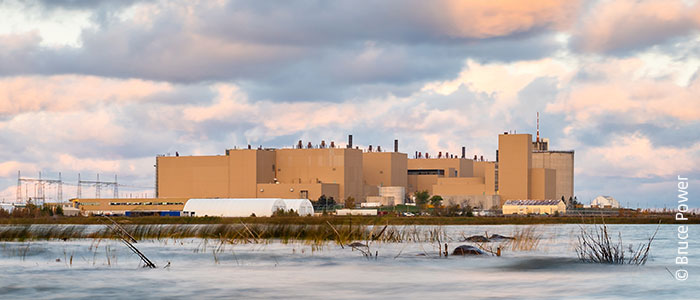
484 19
70 92
628 24
635 156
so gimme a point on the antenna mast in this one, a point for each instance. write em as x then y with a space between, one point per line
538 127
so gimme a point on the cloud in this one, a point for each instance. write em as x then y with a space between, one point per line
10 168
341 48
20 94
623 87
635 156
122 82
627 26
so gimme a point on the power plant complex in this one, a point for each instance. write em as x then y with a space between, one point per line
524 169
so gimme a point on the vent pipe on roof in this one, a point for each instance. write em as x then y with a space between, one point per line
396 145
464 152
350 141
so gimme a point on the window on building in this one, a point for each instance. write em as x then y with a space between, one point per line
427 172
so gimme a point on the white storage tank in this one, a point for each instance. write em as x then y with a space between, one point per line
302 206
228 207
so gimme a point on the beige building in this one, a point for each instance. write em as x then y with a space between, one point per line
518 174
249 173
120 206
341 166
525 207
457 180
563 163
423 173
514 164
518 179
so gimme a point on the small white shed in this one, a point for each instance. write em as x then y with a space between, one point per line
228 207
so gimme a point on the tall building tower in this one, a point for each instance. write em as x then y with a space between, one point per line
514 163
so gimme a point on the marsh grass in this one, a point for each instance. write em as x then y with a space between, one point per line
342 234
524 239
598 246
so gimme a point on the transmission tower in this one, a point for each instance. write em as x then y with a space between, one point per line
39 187
98 185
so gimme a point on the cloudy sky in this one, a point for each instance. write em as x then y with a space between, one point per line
104 86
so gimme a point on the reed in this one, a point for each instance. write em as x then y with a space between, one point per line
524 239
316 235
598 246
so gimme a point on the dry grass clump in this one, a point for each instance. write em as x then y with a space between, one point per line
524 239
598 247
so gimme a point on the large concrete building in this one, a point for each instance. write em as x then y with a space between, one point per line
563 163
275 173
523 170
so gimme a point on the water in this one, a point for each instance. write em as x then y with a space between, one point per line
106 268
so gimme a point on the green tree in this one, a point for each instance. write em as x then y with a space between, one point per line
350 202
436 200
59 210
421 198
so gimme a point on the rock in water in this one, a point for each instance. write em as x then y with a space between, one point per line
467 250
477 239
498 237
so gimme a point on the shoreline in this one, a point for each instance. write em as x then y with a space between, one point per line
362 220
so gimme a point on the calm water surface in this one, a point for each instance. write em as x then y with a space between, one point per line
106 268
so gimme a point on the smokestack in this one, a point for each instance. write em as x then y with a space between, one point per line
464 152
396 145
350 141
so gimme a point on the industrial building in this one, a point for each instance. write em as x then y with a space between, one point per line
524 170
539 207
605 202
130 206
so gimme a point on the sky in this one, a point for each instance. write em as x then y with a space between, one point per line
102 87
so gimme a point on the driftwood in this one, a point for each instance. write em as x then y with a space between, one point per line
128 240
